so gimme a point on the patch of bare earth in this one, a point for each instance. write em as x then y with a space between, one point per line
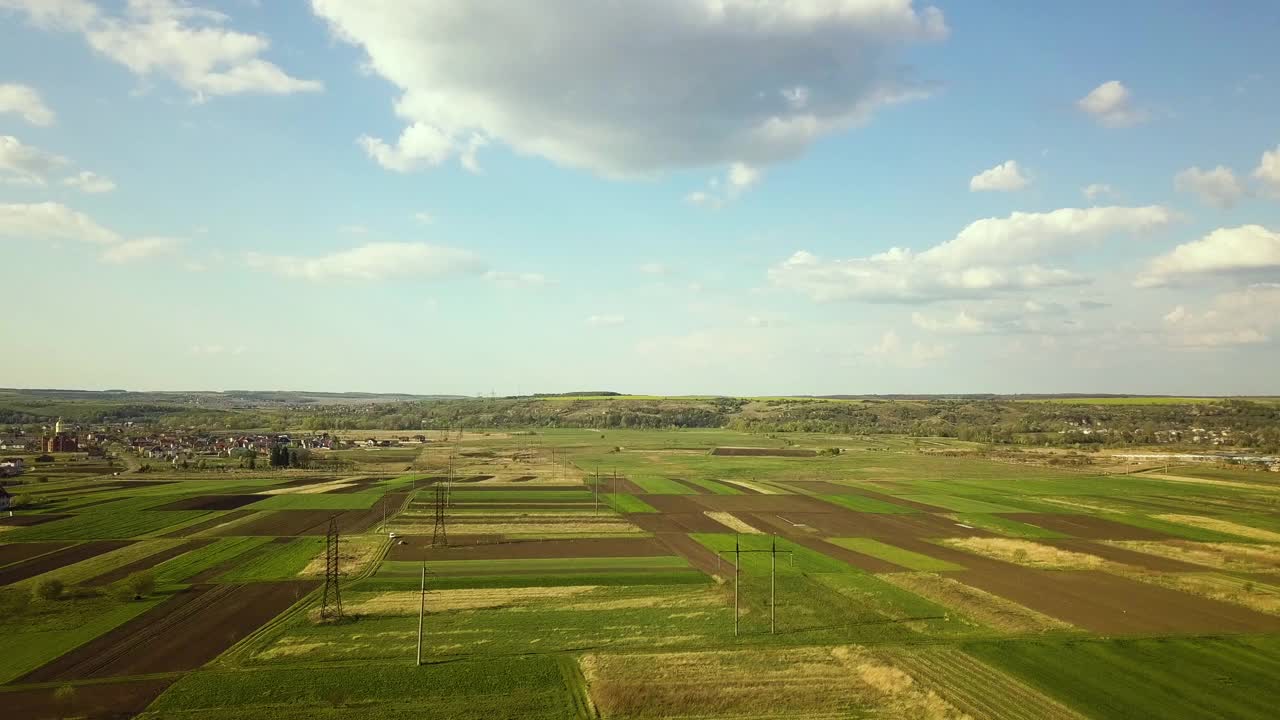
990 610
796 682
1025 552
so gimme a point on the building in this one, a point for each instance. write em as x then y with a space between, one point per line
11 467
60 441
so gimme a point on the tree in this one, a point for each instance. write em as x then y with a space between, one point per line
141 584
49 589
13 602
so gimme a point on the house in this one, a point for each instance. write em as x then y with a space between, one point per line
12 467
16 442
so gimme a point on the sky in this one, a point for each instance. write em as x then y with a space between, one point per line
741 197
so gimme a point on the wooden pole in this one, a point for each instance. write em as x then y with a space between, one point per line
422 610
737 560
773 563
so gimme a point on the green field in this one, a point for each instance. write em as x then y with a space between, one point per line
895 555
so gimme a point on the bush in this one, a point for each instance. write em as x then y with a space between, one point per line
13 602
140 584
49 589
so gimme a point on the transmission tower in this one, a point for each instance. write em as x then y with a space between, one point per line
331 606
439 536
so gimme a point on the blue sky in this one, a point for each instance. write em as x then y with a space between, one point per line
663 197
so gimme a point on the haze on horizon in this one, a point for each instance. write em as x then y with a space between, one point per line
674 197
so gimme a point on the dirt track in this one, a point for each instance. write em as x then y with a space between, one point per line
183 632
145 563
418 546
57 559
107 701
1087 526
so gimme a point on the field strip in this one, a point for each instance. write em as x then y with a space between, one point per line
1222 526
977 688
762 489
1254 487
981 606
732 522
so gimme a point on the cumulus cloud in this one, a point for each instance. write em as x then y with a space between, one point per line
425 218
52 221
131 250
962 323
1096 190
1111 105
631 88
738 179
191 46
988 256
374 261
1245 251
24 101
1005 177
517 280
605 320
90 182
26 165
1217 187
1240 317
1268 172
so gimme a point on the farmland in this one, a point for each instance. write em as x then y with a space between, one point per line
644 574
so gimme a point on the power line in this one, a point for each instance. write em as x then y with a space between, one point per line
773 551
331 605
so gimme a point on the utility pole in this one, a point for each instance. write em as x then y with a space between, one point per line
737 563
422 610
773 565
773 551
596 486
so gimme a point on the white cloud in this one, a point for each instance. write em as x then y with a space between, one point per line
738 179
891 350
514 280
1096 190
654 268
374 261
988 256
24 164
1005 177
90 182
1268 171
1217 187
962 323
606 320
25 101
583 88
51 221
1240 317
425 218
192 46
1244 250
141 248
1111 105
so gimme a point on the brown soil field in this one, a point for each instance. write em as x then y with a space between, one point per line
763 452
675 522
473 479
1087 526
210 574
211 502
355 487
1104 603
302 482
897 500
419 545
145 563
698 555
316 522
190 530
675 504
760 503
523 478
819 487
105 701
847 523
1121 555
183 632
57 559
29 520
17 552
696 488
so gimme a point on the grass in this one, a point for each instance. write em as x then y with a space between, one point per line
49 629
715 488
628 504
960 504
77 573
895 555
178 569
276 562
860 503
801 559
525 687
533 565
106 526
1145 678
319 501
